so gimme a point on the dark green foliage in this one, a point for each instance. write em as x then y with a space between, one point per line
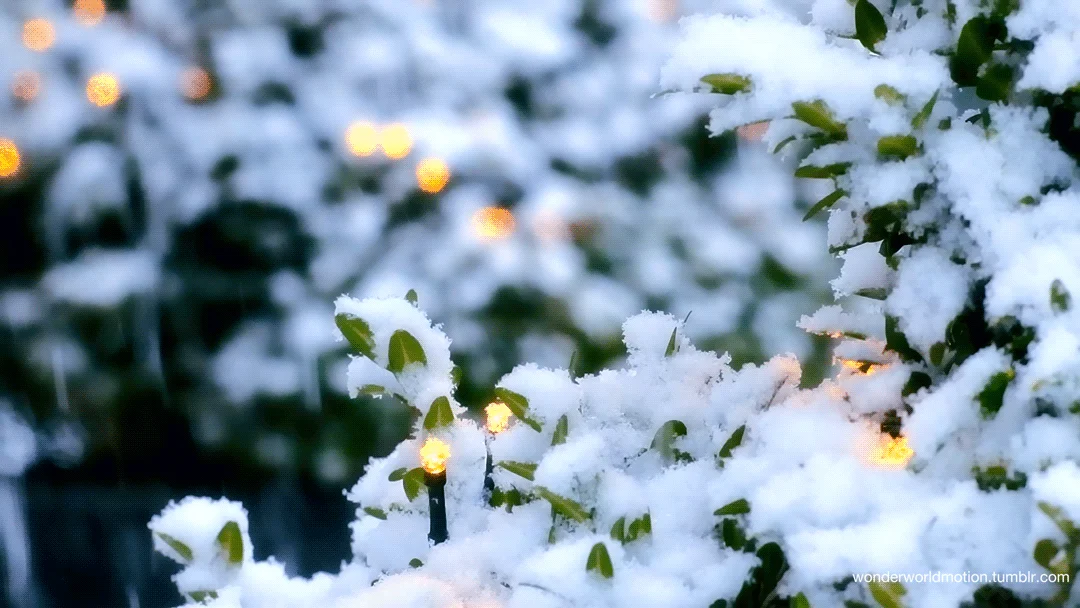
870 27
897 342
995 477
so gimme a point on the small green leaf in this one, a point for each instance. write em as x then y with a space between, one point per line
562 429
1067 527
811 172
455 375
639 528
993 394
996 82
518 404
825 203
415 563
727 84
231 542
889 95
736 507
1060 298
897 147
916 381
202 596
924 114
357 333
412 297
937 354
404 350
888 595
784 142
732 534
874 293
183 550
664 439
439 414
398 474
799 601
973 48
373 390
563 506
599 561
671 347
521 469
375 512
732 442
618 530
870 26
817 114
413 483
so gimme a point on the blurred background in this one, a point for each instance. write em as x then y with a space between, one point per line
186 185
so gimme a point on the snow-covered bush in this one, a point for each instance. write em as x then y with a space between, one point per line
251 159
946 444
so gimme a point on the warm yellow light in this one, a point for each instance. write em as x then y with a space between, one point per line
362 138
861 367
9 158
26 86
433 455
891 452
498 416
432 174
103 90
38 34
89 12
396 141
493 223
195 83
753 131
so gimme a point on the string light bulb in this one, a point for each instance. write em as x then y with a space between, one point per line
38 34
434 455
493 223
103 89
362 138
498 417
195 83
10 159
432 175
26 86
396 141
89 12
891 452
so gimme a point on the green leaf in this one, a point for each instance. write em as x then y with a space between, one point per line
817 114
439 414
521 469
563 506
412 297
599 561
518 404
404 350
897 147
811 172
973 49
398 474
825 203
671 343
799 601
937 354
888 595
732 534
996 82
727 84
664 439
562 429
870 26
375 512
202 596
889 95
993 394
455 375
231 542
735 507
639 527
357 333
732 442
784 142
183 550
618 530
1045 552
916 381
1060 298
415 563
924 114
1067 527
413 483
373 390
874 293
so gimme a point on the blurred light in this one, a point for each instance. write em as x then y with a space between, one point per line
892 452
493 223
753 131
433 455
861 367
9 158
103 90
89 12
38 34
663 10
362 138
396 141
195 83
498 417
26 86
432 174
549 227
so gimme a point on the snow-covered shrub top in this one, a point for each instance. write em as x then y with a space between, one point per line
949 439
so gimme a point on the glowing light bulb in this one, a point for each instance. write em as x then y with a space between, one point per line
861 367
9 158
396 141
195 83
362 138
103 89
89 12
493 223
498 417
891 452
432 175
753 131
26 86
433 455
38 34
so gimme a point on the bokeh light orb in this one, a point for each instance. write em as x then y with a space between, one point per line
362 138
38 34
26 86
493 223
195 83
396 141
432 175
103 90
9 158
89 12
